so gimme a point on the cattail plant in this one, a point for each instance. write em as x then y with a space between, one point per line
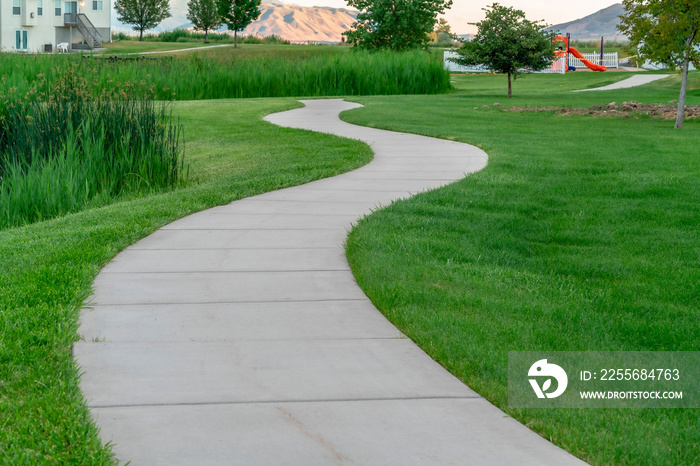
66 144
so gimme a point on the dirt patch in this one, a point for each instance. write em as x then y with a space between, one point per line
625 110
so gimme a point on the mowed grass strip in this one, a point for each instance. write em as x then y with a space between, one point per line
218 48
581 234
135 47
46 269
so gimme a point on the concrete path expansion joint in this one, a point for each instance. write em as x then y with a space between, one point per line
238 335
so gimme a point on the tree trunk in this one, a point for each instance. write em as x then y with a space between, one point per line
206 36
680 113
510 88
235 39
141 35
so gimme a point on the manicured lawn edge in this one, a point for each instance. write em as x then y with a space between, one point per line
555 245
47 268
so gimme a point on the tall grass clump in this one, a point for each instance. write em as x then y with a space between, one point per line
195 77
353 73
64 148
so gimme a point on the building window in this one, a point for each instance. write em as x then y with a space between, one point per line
57 7
21 40
97 5
16 7
40 7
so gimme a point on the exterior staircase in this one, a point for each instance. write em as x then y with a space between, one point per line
89 32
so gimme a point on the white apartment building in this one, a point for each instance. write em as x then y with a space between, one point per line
41 25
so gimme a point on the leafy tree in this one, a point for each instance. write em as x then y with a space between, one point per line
443 27
442 35
238 14
665 31
508 43
444 40
394 24
142 14
204 14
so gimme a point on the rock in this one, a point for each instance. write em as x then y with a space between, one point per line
485 107
612 105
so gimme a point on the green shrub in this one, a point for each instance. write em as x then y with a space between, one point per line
122 36
183 35
271 39
174 35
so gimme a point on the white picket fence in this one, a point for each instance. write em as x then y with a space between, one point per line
610 60
558 65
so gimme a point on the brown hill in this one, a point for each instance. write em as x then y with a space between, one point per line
300 23
592 27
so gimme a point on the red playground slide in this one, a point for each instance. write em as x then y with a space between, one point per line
588 63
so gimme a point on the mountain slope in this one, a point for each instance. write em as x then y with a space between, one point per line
298 23
291 22
592 27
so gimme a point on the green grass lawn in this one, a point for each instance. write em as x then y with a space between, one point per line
133 46
47 269
555 90
223 51
580 234
267 50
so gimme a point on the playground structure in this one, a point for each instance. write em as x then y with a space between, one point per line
567 59
563 52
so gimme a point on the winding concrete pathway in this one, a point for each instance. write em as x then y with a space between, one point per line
239 336
632 81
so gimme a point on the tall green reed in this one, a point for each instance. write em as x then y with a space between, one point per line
351 73
66 146
286 75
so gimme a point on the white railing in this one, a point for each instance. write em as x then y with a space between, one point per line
609 60
558 65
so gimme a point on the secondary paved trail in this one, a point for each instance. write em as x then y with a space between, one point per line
239 336
632 81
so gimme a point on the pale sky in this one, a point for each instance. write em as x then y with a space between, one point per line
469 11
